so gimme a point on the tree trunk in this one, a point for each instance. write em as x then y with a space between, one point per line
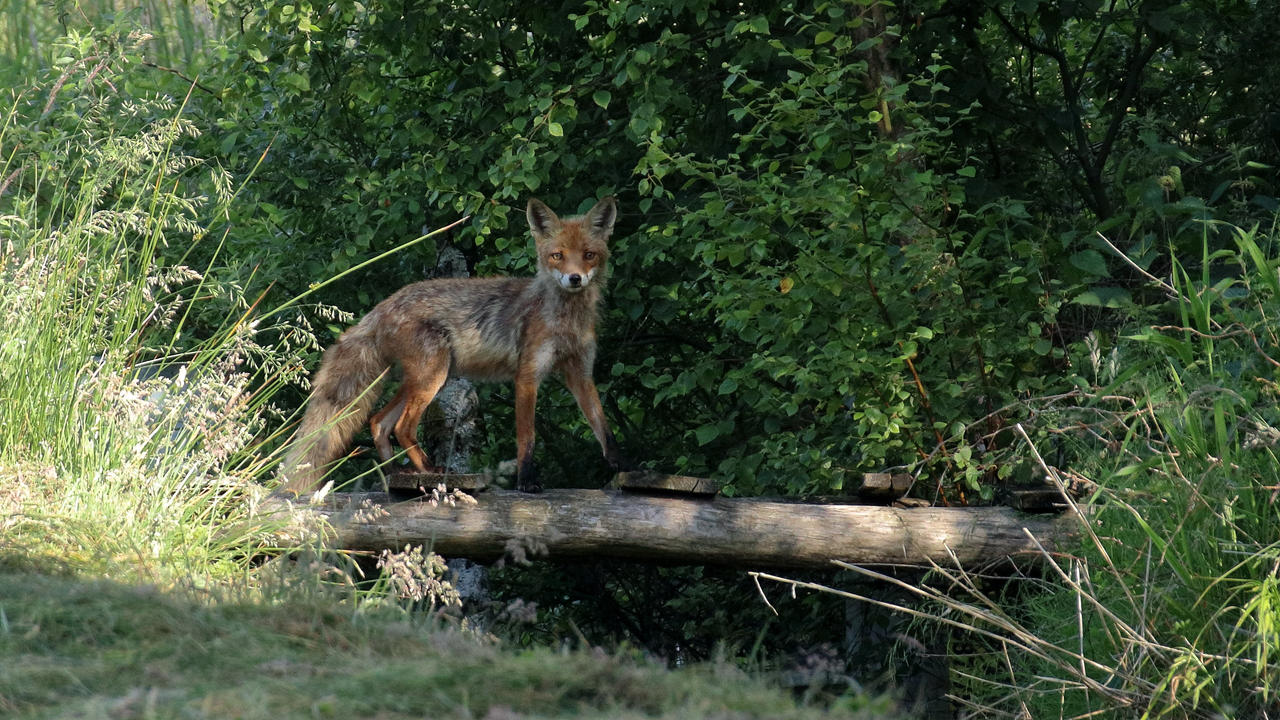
745 533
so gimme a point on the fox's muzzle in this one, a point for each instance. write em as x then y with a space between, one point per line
572 282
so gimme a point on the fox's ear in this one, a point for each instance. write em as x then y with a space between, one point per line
601 216
542 221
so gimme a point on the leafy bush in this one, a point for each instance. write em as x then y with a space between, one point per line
861 312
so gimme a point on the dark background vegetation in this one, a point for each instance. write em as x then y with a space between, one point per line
850 235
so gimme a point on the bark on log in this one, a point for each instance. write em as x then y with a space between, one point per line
742 532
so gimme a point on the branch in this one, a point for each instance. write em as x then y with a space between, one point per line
1121 101
192 81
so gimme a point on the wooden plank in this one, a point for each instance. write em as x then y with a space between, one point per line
413 481
650 481
736 532
884 487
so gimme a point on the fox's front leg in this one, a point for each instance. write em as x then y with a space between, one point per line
526 399
584 391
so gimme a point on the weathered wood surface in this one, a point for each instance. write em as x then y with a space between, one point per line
421 482
748 533
650 481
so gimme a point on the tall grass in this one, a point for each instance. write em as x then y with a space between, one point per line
122 450
137 430
1170 606
181 31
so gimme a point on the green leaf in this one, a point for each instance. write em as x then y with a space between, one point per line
1103 296
555 129
706 433
602 98
229 142
824 37
1090 261
1182 349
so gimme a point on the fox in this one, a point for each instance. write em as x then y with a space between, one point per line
483 329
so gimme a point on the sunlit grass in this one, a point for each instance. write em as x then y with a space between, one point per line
111 650
121 451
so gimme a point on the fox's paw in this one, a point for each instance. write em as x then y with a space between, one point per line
622 464
614 457
527 478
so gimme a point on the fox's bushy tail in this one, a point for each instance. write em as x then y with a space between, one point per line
343 393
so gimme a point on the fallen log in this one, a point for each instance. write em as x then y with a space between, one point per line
735 532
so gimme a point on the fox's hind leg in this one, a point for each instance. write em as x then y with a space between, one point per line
423 378
383 422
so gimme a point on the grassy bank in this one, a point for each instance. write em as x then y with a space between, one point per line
94 648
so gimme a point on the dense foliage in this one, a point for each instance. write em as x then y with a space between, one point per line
850 236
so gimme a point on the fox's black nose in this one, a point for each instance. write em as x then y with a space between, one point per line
575 280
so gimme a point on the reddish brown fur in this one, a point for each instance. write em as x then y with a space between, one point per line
480 328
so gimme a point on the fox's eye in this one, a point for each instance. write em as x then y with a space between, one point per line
588 255
557 256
